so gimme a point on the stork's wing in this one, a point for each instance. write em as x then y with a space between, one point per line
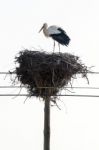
53 30
61 37
61 30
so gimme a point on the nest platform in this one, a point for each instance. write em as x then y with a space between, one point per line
45 74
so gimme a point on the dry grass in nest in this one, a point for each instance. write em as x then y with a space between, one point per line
45 74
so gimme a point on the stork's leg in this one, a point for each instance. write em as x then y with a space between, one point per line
59 47
54 47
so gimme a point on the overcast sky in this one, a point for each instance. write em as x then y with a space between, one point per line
76 126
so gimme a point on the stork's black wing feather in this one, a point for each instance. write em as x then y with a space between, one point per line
61 38
62 31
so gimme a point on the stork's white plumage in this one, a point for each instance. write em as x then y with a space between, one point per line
57 34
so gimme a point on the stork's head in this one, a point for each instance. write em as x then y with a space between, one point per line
44 26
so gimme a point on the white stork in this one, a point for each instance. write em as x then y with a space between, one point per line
57 34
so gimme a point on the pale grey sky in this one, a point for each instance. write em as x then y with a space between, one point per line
76 126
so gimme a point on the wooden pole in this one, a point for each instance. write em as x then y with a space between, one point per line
47 124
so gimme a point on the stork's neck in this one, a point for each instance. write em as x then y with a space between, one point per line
45 31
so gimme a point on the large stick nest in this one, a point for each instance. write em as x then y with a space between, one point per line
45 74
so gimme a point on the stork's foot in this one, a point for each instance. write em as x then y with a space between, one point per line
59 47
53 50
54 47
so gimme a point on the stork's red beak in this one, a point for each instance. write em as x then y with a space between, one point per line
41 29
